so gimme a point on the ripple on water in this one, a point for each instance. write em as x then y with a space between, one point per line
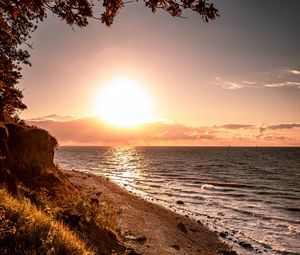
251 194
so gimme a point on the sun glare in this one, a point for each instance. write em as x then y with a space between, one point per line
123 103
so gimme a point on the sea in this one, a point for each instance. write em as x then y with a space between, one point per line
250 196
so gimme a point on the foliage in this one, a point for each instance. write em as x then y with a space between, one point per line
19 18
25 228
48 215
30 174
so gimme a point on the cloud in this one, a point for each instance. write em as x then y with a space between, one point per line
294 71
54 117
283 80
283 84
234 85
290 141
252 84
278 127
236 126
284 126
92 131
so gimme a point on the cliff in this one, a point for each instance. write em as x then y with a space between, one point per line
52 214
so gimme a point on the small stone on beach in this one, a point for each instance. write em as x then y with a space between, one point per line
175 246
141 239
193 230
222 234
230 253
182 227
246 245
179 202
131 252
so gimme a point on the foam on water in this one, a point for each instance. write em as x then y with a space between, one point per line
250 196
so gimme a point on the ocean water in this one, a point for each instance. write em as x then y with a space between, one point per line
250 196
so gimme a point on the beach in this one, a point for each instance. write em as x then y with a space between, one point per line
242 194
146 227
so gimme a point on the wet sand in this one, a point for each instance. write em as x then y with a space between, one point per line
149 228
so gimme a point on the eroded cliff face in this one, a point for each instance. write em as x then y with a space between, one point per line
24 150
29 148
4 173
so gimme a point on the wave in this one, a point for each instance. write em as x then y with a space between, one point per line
251 193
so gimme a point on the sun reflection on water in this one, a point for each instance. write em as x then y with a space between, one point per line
227 191
128 162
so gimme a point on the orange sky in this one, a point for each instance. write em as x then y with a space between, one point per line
242 69
92 131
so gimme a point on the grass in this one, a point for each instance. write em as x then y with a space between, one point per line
26 230
49 215
41 211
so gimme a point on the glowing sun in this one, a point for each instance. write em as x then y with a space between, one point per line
123 103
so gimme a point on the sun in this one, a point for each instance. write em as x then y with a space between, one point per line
123 103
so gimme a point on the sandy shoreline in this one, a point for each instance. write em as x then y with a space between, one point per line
149 228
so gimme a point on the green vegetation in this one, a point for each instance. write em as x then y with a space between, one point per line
48 215
24 228
41 211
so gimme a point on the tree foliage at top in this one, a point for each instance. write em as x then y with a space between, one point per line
19 18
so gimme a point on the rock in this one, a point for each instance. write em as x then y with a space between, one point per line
31 150
229 253
175 246
179 202
141 239
193 230
182 227
3 146
131 252
246 245
222 234
98 194
5 175
30 147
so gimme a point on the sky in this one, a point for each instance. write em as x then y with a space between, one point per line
235 80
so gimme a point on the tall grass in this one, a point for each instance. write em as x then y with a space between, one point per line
26 230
